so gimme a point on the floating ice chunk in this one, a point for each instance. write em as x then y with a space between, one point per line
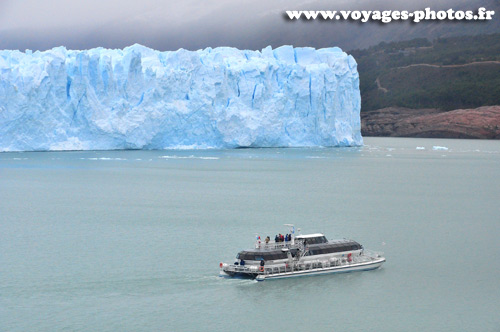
188 157
104 158
437 147
420 148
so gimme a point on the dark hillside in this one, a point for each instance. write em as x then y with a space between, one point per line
446 74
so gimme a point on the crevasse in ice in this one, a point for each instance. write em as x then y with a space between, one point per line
139 98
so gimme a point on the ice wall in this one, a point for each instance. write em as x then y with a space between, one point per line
139 98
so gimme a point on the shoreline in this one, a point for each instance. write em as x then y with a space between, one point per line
478 123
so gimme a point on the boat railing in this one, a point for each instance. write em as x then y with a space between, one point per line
304 266
366 256
276 245
373 254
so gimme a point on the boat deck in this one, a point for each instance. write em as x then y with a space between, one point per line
366 261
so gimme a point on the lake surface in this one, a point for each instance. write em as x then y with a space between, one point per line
132 240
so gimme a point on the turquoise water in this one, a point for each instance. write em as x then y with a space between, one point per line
132 240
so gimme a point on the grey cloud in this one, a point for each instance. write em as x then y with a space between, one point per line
169 25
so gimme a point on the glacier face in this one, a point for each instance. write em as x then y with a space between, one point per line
213 98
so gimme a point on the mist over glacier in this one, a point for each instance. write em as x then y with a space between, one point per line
139 98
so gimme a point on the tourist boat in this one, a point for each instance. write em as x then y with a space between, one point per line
301 255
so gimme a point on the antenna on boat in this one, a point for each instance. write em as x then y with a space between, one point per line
291 229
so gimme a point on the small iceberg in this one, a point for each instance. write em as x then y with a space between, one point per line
188 157
437 147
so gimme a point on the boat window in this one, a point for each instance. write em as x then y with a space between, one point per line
343 248
247 256
253 256
281 255
333 248
316 240
311 240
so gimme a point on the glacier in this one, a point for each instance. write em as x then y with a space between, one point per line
140 98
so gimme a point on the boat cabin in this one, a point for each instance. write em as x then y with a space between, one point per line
312 238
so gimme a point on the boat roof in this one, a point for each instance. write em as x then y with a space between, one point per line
334 243
307 236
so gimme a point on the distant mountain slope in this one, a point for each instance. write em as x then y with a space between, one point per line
446 74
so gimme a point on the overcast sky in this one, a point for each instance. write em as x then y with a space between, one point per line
169 25
117 23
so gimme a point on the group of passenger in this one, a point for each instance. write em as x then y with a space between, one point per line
283 238
279 238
